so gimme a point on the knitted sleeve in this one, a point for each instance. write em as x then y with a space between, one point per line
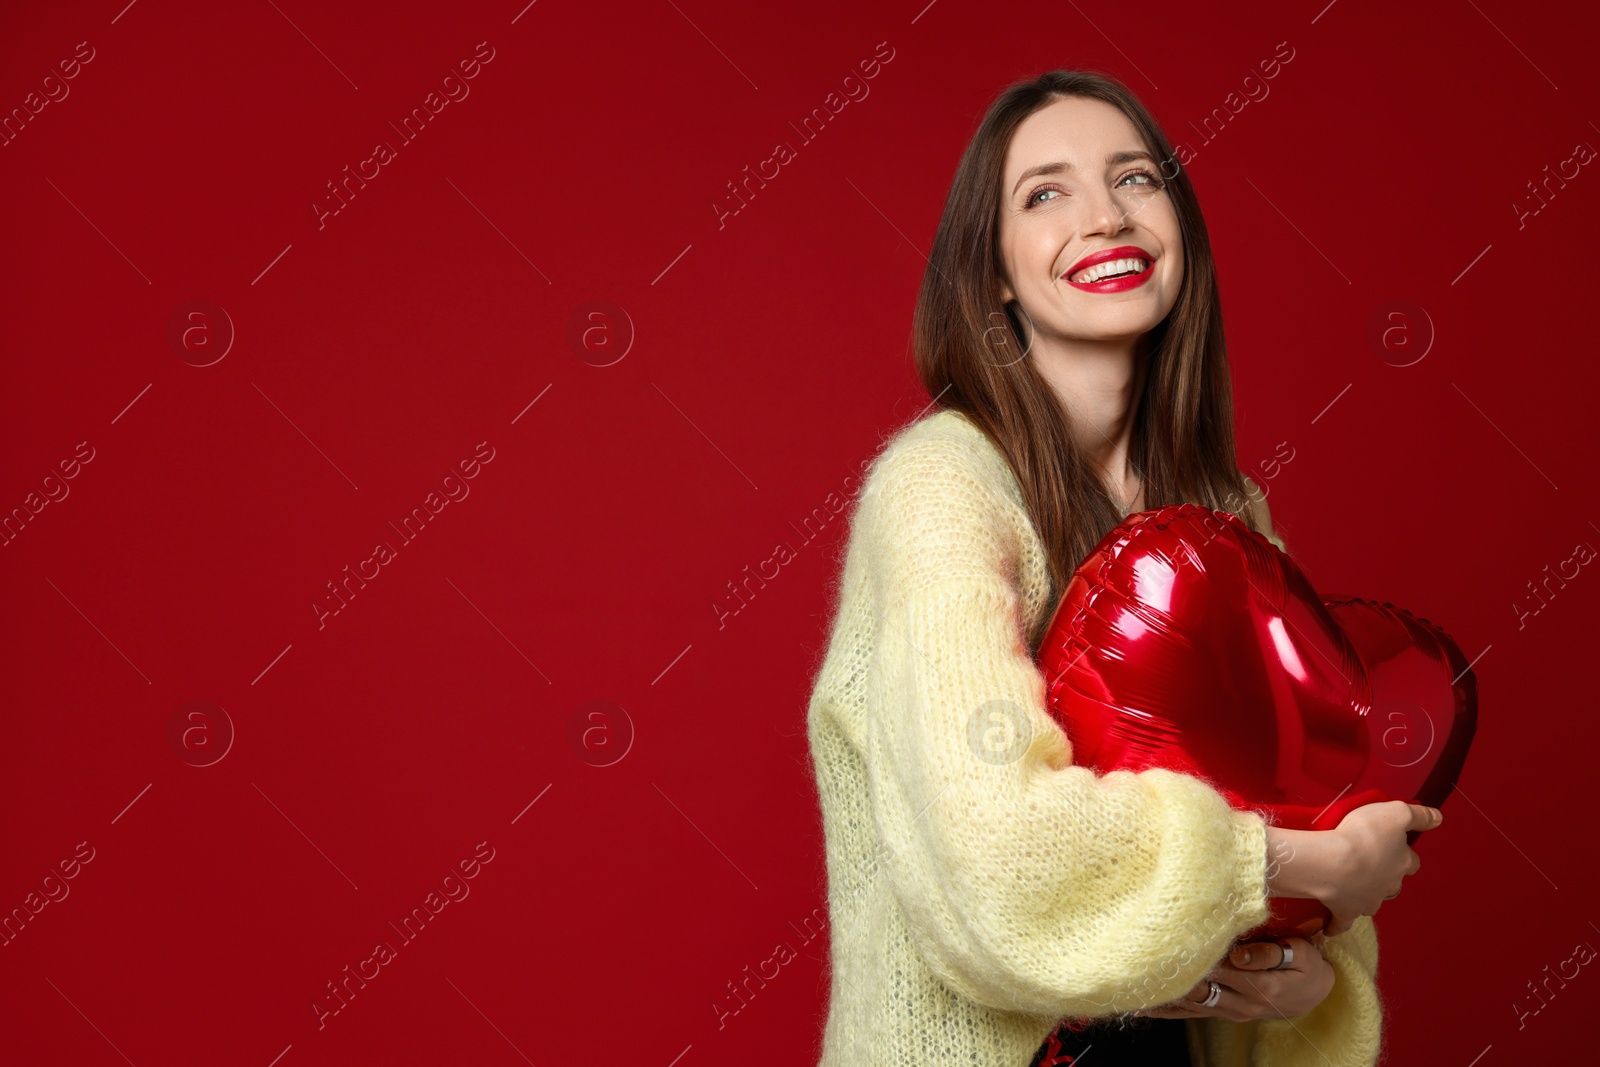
1027 884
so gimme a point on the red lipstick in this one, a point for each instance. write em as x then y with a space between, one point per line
1118 284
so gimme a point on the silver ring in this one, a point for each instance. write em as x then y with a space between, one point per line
1288 956
1216 995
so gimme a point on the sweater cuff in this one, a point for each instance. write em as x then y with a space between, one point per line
1345 1030
1249 893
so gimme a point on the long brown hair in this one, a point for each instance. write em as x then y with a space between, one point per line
1182 438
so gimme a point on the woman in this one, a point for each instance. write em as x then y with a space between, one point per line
982 890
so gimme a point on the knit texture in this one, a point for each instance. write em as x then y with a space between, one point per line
981 888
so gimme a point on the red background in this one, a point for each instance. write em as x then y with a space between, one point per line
768 359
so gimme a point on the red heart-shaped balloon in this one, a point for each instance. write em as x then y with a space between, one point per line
1188 641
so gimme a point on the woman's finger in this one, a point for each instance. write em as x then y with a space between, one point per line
1181 1008
1231 1004
1269 955
1241 996
1256 955
1424 818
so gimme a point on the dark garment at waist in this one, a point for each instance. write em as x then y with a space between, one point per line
1137 1041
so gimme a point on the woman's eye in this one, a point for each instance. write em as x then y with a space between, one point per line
1145 178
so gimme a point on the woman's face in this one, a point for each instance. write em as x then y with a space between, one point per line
1101 192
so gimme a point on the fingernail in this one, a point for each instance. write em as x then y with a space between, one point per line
1244 955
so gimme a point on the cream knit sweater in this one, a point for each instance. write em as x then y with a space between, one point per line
980 887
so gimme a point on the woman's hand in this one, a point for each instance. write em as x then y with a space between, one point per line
1379 858
1353 868
1253 987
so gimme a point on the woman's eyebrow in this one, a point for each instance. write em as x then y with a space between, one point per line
1127 155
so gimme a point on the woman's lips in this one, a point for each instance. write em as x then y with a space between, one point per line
1116 284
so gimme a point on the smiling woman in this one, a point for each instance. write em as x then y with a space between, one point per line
993 901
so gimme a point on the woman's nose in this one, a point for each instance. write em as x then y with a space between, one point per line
1105 216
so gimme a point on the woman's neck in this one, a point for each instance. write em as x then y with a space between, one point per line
1099 385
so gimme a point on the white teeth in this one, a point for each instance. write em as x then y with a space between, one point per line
1114 266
